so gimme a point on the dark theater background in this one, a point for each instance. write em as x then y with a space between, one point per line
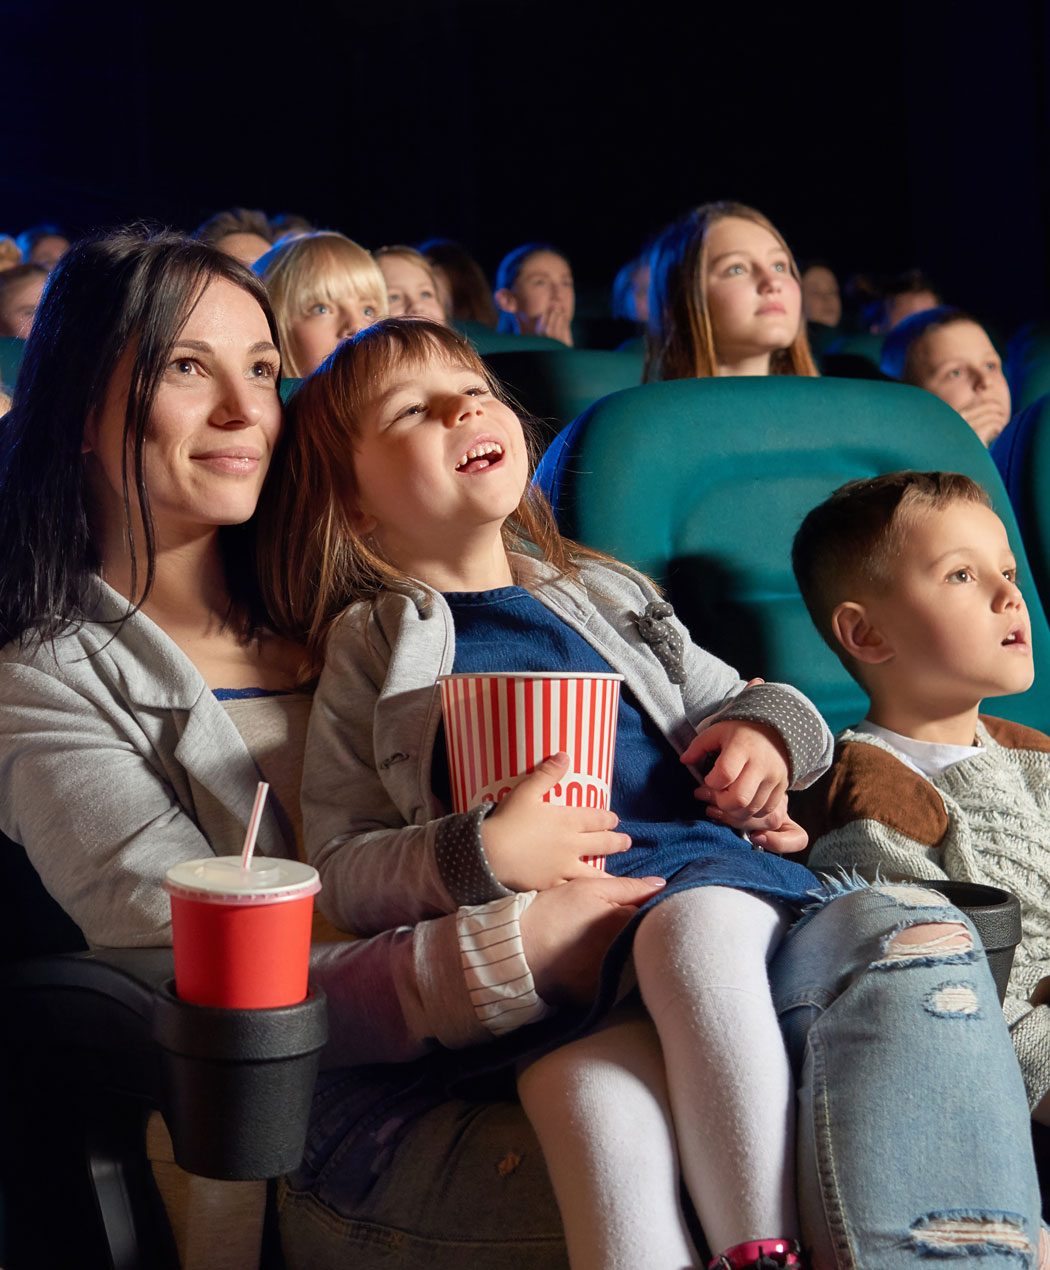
911 132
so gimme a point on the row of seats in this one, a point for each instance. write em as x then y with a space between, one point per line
702 484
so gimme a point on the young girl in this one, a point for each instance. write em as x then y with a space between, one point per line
407 496
536 293
724 299
323 288
411 288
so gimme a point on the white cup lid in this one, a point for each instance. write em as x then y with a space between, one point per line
221 880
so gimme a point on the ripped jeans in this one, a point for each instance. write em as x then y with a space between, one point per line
913 1125
914 1138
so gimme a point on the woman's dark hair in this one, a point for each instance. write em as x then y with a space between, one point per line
129 290
469 291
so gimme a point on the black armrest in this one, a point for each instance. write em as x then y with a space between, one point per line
234 1085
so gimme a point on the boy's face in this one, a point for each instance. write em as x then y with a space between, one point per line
959 364
954 625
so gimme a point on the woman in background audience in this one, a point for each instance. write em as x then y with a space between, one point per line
10 255
724 299
239 232
323 288
536 292
411 288
630 291
20 290
948 353
462 285
821 299
43 245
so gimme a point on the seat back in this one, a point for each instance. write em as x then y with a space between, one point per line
556 386
1021 452
486 340
702 484
1027 365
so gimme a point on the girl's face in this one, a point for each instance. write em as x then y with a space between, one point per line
321 325
409 289
440 464
216 418
752 296
544 283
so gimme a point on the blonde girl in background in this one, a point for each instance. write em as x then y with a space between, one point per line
323 288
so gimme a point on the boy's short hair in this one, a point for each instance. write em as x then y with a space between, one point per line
901 346
849 543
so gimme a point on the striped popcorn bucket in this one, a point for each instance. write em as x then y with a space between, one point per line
499 727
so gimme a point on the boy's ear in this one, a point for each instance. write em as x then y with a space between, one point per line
857 634
507 300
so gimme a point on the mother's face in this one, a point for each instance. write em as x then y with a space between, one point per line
215 420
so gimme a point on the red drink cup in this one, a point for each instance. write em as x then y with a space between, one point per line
241 936
499 727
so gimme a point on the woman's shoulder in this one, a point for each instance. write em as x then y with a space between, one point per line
110 649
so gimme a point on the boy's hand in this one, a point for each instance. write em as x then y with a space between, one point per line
531 845
750 775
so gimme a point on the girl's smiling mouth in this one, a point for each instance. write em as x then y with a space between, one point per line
480 456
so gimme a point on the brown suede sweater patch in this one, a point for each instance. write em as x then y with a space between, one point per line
1015 736
866 783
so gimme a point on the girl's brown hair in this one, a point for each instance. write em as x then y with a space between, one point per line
314 562
680 343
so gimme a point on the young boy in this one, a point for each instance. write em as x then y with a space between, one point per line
910 579
949 354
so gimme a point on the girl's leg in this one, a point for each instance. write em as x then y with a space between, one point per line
914 1141
701 959
599 1108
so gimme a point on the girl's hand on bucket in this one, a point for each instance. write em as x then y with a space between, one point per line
532 845
566 932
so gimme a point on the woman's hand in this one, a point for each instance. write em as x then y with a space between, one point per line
531 845
556 324
750 774
566 932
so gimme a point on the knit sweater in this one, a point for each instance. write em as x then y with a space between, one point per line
985 819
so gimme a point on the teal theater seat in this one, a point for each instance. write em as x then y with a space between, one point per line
702 484
486 340
556 386
11 350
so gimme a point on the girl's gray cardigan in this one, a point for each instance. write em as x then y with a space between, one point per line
386 851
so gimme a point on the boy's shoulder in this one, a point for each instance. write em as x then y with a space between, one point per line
868 781
1015 736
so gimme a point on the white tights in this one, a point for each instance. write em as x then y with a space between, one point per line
695 1088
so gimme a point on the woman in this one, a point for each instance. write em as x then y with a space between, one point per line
142 430
130 465
724 299
536 293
